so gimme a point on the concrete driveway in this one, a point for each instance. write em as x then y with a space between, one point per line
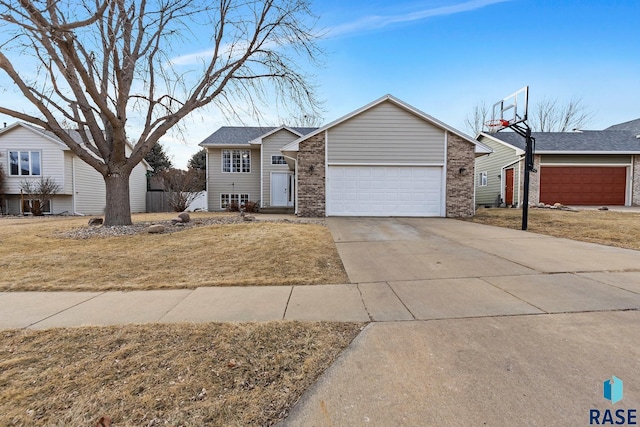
513 328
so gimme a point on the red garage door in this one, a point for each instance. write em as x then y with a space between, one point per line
583 185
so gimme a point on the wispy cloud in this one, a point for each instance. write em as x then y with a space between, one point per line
367 23
376 21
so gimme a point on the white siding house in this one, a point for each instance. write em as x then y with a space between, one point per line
39 154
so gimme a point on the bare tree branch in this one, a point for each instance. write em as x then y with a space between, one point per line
101 62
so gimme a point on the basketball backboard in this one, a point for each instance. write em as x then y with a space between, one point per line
510 110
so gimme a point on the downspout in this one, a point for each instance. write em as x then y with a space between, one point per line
73 186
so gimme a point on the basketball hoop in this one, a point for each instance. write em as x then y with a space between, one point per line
496 125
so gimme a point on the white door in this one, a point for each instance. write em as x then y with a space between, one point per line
384 191
281 189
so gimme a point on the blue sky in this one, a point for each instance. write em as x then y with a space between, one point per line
446 56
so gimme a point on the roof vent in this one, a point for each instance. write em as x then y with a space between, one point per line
576 130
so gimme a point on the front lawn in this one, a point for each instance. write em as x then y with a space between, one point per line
157 375
610 228
37 255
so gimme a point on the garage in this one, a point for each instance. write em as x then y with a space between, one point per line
384 191
583 185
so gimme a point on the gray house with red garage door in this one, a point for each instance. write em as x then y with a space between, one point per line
573 168
386 158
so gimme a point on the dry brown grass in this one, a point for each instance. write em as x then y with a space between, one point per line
610 228
152 375
250 253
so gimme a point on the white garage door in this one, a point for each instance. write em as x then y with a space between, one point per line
384 191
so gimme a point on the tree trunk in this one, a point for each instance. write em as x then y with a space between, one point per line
118 209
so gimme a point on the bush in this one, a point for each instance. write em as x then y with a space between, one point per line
39 193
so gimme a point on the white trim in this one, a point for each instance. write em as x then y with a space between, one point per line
231 165
443 190
519 152
262 175
19 151
33 129
326 172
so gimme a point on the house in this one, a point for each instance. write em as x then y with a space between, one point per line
28 152
573 168
384 159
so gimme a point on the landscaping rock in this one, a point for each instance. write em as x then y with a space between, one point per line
94 222
156 229
175 221
557 205
249 218
604 208
184 217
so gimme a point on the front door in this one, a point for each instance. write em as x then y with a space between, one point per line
281 189
508 187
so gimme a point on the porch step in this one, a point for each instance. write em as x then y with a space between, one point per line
277 210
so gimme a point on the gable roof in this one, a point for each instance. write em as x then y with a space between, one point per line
43 133
631 125
582 142
242 135
74 133
294 146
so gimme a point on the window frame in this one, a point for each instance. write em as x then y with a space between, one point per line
240 198
234 161
45 210
483 179
30 160
283 160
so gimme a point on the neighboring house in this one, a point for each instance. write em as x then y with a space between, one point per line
29 153
384 159
573 168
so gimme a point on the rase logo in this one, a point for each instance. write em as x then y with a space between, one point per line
613 390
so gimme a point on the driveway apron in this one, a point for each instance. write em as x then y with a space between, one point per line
510 328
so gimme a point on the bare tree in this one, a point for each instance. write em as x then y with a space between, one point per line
475 123
39 193
183 187
549 115
103 62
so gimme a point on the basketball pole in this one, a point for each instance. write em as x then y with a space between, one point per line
525 132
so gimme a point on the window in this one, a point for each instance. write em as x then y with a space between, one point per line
482 179
233 199
27 206
278 160
236 161
23 163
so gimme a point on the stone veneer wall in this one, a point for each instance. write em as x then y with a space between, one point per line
534 182
311 177
635 194
460 186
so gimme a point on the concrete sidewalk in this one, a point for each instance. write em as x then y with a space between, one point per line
514 328
471 324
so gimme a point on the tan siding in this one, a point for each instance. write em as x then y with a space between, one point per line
90 189
68 172
271 147
138 189
601 159
386 134
51 160
237 183
493 164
